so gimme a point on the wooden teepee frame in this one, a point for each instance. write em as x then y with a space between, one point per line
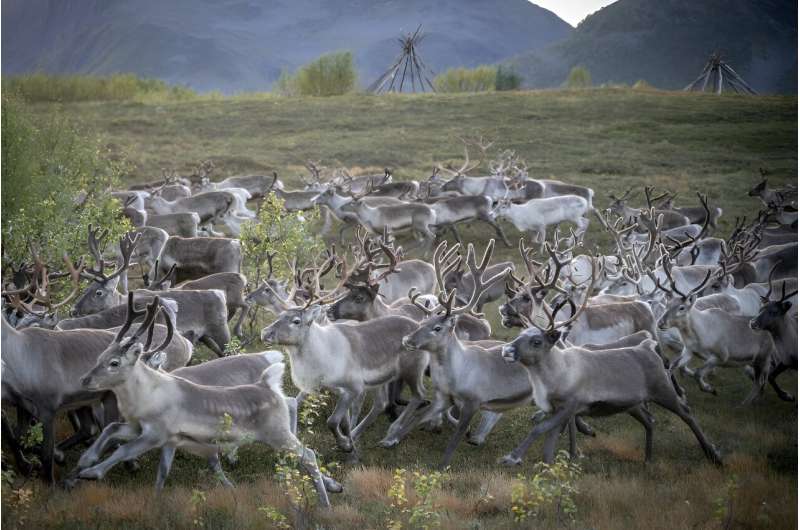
411 65
719 73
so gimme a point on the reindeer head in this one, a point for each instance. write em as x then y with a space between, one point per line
536 342
117 361
772 312
680 305
101 293
434 333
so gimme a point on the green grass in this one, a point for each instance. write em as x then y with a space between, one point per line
606 139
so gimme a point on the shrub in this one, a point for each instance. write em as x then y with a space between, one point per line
119 87
507 79
552 487
412 503
274 231
579 77
55 183
478 79
332 74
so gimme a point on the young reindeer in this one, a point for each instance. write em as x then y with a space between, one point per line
167 412
536 215
774 317
575 381
348 359
470 376
718 337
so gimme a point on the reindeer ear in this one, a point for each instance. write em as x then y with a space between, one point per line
786 306
692 299
313 314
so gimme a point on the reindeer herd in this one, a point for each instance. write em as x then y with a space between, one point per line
601 333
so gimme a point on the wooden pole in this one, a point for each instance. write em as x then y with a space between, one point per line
739 79
719 80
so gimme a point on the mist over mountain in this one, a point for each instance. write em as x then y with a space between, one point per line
235 45
667 43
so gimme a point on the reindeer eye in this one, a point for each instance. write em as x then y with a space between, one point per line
114 363
98 292
296 320
437 328
682 308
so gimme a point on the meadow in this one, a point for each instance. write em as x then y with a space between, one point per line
608 139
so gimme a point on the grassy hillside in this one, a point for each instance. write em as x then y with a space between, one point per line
607 139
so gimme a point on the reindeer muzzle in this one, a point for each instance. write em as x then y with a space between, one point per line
509 353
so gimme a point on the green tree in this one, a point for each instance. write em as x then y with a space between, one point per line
507 79
579 77
478 79
331 74
55 183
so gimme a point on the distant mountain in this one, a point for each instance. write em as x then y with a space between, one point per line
234 45
667 42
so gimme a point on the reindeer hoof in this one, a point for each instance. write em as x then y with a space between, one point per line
90 474
388 444
331 485
510 460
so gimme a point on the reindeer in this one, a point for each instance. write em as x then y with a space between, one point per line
670 219
102 292
293 201
597 323
167 412
418 218
470 376
536 215
209 206
333 201
574 381
368 355
195 257
362 302
464 282
775 318
231 283
698 215
42 367
717 336
203 316
450 211
183 224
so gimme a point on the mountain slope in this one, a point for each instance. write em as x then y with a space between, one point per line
667 42
234 45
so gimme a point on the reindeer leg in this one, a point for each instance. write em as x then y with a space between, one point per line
701 372
455 233
164 465
551 440
216 466
553 422
774 373
468 410
129 451
378 406
212 345
670 401
336 419
760 374
243 312
112 434
23 465
488 420
498 230
647 422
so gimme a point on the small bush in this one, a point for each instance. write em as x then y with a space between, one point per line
332 74
68 88
478 79
552 488
507 79
579 77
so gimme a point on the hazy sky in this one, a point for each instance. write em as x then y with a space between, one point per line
573 11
